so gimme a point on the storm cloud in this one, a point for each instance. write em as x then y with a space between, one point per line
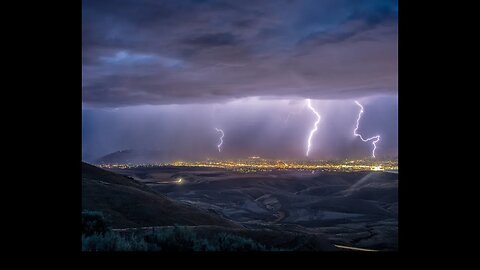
138 52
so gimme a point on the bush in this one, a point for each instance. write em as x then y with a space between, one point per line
112 241
183 239
178 238
231 242
94 223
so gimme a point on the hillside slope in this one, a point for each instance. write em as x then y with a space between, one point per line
128 203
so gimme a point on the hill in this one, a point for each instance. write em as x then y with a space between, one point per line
132 208
130 156
128 203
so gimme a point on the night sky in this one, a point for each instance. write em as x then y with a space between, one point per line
162 75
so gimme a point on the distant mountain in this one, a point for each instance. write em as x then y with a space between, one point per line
131 156
128 203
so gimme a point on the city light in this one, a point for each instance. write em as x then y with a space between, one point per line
257 164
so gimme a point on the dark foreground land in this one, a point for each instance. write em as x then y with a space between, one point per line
278 210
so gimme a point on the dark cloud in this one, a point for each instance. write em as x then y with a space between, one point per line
243 23
213 40
162 52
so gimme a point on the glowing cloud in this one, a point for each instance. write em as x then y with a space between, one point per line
374 138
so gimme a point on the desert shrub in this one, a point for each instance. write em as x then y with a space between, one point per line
231 242
112 241
172 239
104 242
94 223
184 239
178 238
204 245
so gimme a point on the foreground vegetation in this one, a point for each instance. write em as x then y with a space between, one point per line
98 236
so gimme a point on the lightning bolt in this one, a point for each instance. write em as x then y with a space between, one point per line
286 119
309 144
377 138
221 139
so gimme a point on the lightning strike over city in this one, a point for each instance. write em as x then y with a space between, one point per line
309 141
374 138
221 139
